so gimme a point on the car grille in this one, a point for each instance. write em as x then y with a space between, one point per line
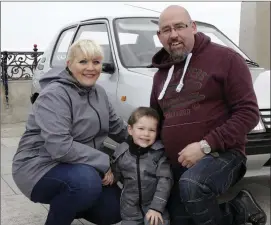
266 118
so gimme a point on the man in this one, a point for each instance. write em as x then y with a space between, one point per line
204 93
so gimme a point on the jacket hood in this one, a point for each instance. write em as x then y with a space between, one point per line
162 58
63 76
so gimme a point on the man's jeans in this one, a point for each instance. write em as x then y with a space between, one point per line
75 191
193 198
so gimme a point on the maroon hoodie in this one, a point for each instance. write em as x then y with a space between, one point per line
217 102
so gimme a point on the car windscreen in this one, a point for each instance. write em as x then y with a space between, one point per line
137 40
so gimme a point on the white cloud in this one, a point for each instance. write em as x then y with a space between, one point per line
26 23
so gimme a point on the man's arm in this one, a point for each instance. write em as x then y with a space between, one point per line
242 102
164 185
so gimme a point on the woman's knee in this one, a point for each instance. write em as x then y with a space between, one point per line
85 181
78 180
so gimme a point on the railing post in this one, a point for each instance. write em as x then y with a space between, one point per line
5 75
35 54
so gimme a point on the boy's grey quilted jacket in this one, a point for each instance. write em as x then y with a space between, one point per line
146 177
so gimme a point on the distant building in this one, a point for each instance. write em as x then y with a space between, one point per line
254 37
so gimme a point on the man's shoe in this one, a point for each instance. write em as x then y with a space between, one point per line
254 213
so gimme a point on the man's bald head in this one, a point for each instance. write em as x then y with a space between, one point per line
176 32
173 11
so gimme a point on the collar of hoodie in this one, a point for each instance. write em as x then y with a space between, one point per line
169 76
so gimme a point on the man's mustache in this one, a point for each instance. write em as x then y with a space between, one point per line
172 40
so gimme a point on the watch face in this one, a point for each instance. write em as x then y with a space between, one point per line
205 147
207 150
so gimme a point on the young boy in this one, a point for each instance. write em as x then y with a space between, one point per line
142 167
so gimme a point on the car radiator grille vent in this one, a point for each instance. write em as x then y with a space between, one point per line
266 118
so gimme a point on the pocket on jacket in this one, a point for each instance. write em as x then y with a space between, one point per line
148 189
129 201
128 211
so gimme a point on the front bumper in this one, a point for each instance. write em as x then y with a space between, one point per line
258 143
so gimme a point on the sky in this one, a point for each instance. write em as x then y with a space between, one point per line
24 24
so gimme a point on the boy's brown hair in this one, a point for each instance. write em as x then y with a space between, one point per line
143 111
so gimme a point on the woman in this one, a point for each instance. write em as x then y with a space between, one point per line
60 159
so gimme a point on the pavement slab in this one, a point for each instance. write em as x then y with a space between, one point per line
6 189
18 210
10 141
7 154
9 180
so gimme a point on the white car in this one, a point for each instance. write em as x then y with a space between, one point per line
129 44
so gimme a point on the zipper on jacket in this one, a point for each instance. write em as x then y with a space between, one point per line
139 185
100 125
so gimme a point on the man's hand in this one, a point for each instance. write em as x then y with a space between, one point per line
108 178
153 217
190 155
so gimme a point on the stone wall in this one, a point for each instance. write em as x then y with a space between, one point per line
254 38
19 101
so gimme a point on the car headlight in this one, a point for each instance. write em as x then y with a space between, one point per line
259 128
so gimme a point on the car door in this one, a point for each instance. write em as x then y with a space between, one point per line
54 56
98 31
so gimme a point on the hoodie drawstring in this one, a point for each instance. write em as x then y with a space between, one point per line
180 85
169 76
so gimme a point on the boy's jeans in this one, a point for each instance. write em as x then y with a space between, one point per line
193 197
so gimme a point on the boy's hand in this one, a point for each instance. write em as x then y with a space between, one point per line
153 217
108 178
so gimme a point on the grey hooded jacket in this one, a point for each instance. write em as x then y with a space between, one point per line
67 124
146 176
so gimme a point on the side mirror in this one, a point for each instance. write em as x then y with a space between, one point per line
108 68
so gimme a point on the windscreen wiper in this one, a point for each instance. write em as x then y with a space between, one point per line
250 62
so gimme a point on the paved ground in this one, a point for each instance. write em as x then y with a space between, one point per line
18 210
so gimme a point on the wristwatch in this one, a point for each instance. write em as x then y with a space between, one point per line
205 147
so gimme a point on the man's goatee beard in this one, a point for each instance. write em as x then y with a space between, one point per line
178 57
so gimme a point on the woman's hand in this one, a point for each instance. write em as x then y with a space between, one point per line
108 178
153 217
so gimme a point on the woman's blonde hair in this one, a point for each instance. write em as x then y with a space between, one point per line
89 48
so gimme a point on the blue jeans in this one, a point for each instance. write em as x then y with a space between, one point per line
75 191
193 198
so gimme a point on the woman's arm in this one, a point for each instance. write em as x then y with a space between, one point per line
116 171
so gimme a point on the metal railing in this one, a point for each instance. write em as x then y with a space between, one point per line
18 66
